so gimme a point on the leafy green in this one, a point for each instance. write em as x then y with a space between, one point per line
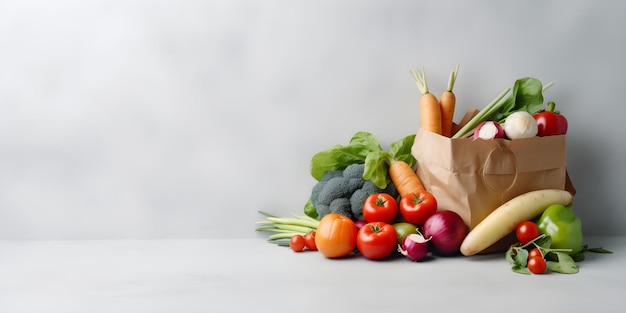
401 150
376 168
595 250
526 96
580 256
377 163
310 210
518 258
364 148
565 264
521 270
339 157
366 139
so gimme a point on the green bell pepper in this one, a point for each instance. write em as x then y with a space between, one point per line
563 227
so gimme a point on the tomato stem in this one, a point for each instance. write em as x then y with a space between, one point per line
375 228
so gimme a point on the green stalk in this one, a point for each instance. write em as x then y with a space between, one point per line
295 228
547 86
420 80
284 235
452 78
273 229
268 214
308 218
293 221
283 242
487 111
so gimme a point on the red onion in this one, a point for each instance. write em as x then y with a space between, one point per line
447 230
359 224
489 130
414 247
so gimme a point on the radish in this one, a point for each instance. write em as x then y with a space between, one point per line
414 247
520 124
488 130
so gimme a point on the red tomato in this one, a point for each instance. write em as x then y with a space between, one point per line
535 252
335 236
296 243
550 123
526 232
537 264
380 207
376 240
309 241
416 208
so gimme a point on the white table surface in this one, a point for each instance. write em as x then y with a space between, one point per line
250 275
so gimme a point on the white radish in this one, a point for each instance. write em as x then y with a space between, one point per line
503 220
520 124
488 130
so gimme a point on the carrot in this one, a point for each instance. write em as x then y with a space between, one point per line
447 103
430 111
404 178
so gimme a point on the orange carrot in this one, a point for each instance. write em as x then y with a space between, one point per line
404 178
430 111
447 103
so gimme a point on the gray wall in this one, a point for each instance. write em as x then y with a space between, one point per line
145 119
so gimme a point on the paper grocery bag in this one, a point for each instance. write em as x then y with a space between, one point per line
474 177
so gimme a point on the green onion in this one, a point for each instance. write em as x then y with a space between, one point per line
283 228
485 113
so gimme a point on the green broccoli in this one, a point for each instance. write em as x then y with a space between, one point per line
344 191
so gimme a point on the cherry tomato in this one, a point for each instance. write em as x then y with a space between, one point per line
335 236
526 232
537 264
535 252
380 207
309 241
296 243
416 208
376 240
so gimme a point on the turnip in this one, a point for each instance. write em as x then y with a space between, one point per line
488 130
520 124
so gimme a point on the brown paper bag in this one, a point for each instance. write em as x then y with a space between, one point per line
474 177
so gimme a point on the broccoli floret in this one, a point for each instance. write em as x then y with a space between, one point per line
356 203
320 185
344 192
370 188
354 171
336 187
322 209
332 174
341 206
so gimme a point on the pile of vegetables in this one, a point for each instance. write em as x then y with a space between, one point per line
371 202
